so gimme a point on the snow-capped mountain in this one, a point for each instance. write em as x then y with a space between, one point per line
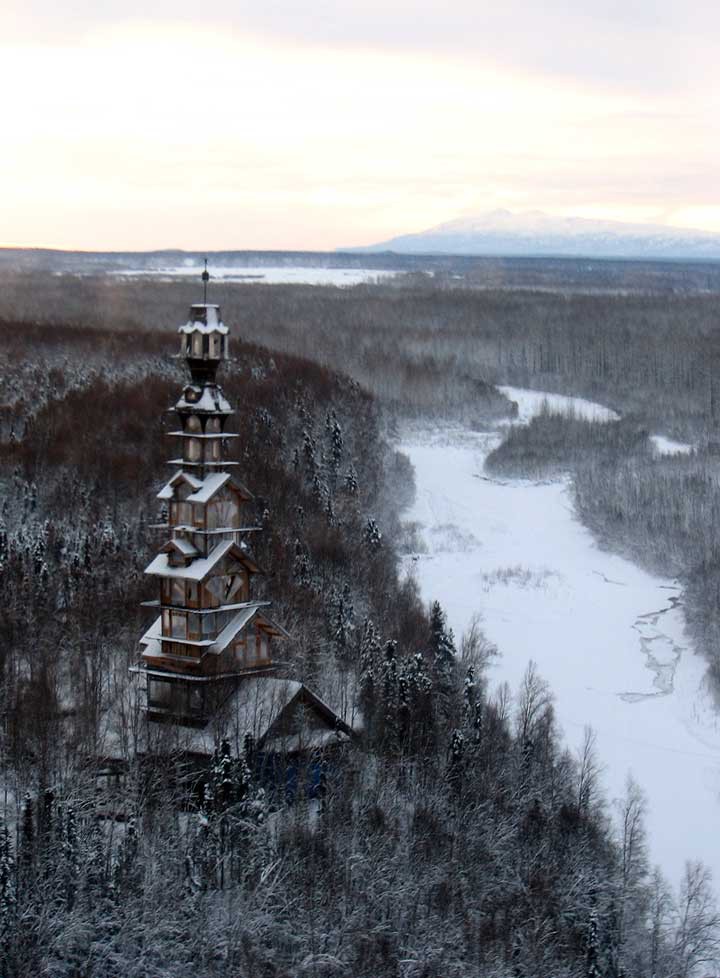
501 232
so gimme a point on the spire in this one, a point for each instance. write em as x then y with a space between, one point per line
205 279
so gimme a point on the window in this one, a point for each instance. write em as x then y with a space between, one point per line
234 588
178 624
197 344
208 626
193 590
159 693
213 426
165 622
193 424
177 595
263 646
193 452
182 514
196 699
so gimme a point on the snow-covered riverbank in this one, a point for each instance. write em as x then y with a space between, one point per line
607 636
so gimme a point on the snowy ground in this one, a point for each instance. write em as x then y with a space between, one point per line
666 446
269 275
607 636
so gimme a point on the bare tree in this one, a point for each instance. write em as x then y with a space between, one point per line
697 936
633 865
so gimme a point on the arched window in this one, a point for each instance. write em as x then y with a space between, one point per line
197 344
193 424
213 426
193 450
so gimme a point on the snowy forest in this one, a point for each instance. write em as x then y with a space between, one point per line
458 835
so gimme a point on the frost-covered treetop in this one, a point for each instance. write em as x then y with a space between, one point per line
204 318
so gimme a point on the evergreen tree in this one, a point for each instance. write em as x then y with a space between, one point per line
369 669
8 897
222 783
351 482
390 695
442 650
125 870
456 762
372 535
592 951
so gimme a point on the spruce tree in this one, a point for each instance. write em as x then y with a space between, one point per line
8 896
390 695
442 649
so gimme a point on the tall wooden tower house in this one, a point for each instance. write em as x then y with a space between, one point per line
209 632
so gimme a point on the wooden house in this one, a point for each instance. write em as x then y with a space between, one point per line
210 649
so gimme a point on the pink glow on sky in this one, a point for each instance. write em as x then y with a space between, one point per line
246 127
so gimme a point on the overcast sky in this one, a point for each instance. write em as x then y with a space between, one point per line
281 124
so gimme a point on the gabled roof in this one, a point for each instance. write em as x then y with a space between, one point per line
203 489
167 490
213 483
238 623
181 546
258 706
202 567
152 637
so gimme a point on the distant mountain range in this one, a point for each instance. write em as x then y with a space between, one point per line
533 233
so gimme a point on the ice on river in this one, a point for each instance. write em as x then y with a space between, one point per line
607 636
269 275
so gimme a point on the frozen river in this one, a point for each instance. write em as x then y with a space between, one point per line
608 637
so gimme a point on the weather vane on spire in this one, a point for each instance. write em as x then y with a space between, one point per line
205 279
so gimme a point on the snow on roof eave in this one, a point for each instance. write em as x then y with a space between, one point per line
278 629
198 570
181 546
213 483
205 402
167 490
153 633
200 327
201 567
232 630
328 711
297 743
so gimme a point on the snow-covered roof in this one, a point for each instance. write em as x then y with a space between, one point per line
151 638
204 489
167 490
209 486
232 630
234 627
210 398
256 705
204 318
201 567
214 483
183 546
